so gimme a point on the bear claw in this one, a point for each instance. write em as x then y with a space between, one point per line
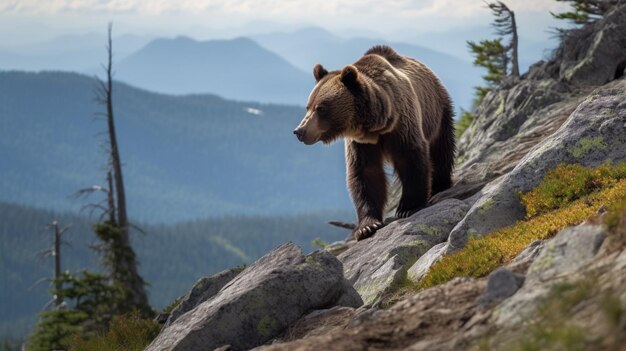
367 231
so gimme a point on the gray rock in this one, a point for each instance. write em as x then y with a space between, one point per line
203 290
525 258
374 265
349 296
507 125
594 133
568 252
259 303
596 53
502 283
423 264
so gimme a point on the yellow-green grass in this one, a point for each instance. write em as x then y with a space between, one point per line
603 186
128 332
566 183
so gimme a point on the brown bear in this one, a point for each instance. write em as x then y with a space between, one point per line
390 108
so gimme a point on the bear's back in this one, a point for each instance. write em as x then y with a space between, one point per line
431 94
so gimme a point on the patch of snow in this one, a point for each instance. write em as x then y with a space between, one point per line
254 111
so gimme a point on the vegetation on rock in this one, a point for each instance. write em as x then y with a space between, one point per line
585 11
129 332
567 183
573 193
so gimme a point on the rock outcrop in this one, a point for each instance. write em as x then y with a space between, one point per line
202 291
260 302
569 109
373 266
594 133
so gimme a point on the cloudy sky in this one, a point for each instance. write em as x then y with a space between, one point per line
24 21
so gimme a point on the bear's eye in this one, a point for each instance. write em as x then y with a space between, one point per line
320 109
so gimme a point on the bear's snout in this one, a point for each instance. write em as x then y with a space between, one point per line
300 133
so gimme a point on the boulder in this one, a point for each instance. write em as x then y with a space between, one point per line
507 124
501 284
374 265
595 54
260 302
203 290
594 133
422 265
569 252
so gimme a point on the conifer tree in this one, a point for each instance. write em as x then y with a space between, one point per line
499 58
586 11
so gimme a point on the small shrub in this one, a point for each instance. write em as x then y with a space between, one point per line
319 243
128 332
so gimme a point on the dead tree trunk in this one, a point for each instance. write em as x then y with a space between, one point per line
56 253
514 42
126 268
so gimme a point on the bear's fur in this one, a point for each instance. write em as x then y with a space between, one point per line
388 108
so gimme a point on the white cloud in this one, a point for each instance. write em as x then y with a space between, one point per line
209 18
272 8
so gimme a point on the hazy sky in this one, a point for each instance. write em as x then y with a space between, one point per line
24 21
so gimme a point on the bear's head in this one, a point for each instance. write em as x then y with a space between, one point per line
331 111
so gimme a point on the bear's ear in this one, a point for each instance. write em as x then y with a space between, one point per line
349 76
319 72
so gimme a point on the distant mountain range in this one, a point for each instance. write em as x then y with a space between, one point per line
306 47
237 69
77 53
269 68
184 157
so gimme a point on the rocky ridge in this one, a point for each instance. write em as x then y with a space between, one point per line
569 109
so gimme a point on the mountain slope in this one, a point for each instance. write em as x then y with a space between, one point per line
185 157
77 53
309 46
171 257
237 69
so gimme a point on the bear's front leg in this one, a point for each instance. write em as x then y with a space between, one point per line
368 186
413 170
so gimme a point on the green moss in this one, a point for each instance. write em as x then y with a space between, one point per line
586 145
311 262
500 109
486 206
428 230
267 326
550 327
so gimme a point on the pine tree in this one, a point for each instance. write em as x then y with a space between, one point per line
586 11
88 306
493 54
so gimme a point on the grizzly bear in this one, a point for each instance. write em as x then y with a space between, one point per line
390 108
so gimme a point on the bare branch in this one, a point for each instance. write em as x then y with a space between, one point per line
39 281
345 225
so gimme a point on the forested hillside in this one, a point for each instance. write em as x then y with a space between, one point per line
171 257
185 157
